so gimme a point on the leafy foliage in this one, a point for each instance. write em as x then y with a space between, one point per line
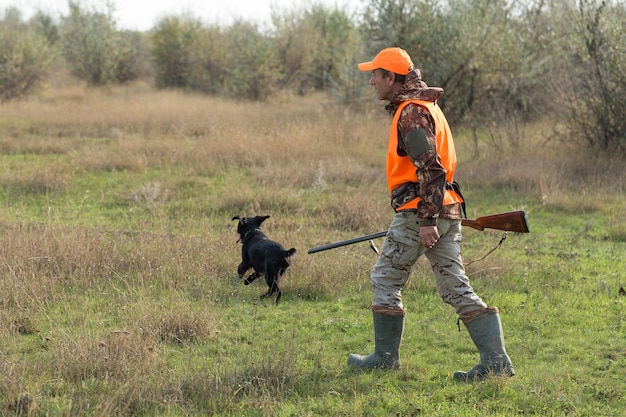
25 57
174 43
594 90
91 45
252 66
133 61
314 45
45 25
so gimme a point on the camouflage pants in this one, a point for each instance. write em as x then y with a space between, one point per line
402 249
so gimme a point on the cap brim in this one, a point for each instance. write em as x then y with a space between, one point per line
367 66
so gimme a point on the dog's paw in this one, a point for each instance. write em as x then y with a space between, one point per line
241 270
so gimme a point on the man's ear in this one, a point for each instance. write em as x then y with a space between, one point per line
391 77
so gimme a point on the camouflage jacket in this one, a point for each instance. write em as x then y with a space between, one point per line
430 173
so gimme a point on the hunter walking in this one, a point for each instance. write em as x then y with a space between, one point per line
421 162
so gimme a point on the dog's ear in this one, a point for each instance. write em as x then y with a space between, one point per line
256 221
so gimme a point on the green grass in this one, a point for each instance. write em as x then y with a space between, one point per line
119 293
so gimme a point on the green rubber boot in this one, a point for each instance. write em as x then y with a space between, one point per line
485 328
388 327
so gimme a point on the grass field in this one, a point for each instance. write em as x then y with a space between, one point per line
119 294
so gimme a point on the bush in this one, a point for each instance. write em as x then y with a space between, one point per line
44 25
594 64
25 60
237 61
173 45
253 68
318 48
133 61
91 45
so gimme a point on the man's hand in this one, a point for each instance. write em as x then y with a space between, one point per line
429 235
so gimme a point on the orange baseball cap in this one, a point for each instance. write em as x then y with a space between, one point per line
396 60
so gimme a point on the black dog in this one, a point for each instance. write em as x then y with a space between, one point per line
265 256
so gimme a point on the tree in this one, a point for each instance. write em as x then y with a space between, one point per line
209 61
252 66
318 47
297 45
238 61
45 25
174 43
91 45
25 57
590 77
133 57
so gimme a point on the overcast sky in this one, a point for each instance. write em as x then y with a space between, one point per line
143 14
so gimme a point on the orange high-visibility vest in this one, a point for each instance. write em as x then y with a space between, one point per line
400 169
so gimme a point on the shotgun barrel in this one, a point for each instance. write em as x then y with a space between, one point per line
347 242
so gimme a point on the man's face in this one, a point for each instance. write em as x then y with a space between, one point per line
383 85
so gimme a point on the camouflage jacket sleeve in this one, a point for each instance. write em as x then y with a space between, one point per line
430 173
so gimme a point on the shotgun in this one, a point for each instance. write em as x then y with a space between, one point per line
511 221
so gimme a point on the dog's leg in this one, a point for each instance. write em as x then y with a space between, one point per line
272 278
274 289
242 269
252 277
271 291
278 280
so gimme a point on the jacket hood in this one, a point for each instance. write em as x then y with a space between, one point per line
414 88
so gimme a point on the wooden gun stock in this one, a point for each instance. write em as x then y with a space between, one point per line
512 221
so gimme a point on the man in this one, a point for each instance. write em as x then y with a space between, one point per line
421 161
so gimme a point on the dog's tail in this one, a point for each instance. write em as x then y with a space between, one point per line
286 260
